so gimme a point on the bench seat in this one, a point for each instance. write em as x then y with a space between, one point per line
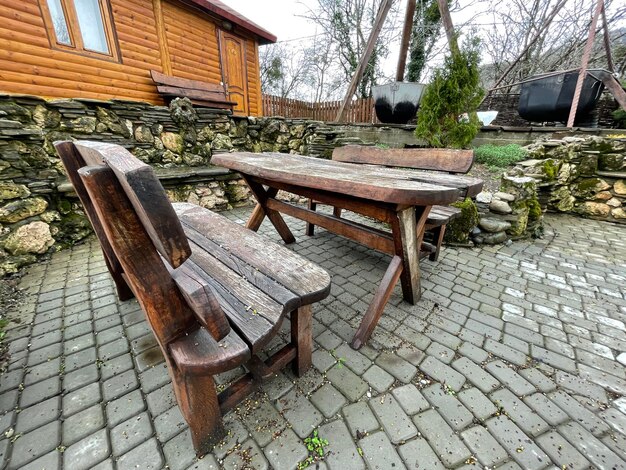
441 215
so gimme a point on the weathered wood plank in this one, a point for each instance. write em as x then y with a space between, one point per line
147 197
451 160
254 258
338 177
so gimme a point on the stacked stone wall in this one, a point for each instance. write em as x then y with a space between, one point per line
583 176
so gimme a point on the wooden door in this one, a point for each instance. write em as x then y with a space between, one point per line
233 53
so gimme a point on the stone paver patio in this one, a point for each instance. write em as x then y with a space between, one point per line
514 358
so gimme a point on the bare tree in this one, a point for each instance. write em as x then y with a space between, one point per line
345 26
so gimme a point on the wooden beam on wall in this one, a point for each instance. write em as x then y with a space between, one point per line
166 64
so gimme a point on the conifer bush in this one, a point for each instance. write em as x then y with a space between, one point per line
447 114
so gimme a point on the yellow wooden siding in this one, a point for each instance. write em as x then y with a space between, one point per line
30 65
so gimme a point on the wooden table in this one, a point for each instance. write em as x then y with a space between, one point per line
401 198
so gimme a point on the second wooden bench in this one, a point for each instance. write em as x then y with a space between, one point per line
435 160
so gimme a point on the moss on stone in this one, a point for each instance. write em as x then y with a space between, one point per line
550 169
458 230
534 209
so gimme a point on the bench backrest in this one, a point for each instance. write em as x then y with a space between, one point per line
450 160
137 228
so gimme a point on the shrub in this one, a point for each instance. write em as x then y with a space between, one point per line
499 155
454 91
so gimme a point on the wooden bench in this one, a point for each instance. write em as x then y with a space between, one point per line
440 160
214 292
208 95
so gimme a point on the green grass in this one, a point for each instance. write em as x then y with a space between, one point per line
499 156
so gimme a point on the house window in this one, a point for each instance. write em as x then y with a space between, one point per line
82 26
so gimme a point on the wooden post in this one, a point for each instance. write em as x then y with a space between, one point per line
406 37
371 42
585 61
447 23
607 41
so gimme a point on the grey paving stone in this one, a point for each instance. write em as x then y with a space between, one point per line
529 421
86 453
410 399
236 433
378 378
615 419
207 462
591 448
442 353
505 352
617 443
347 382
117 365
477 403
379 453
393 419
40 391
82 424
80 399
418 454
262 419
608 381
341 452
35 444
540 381
278 386
44 354
356 361
162 399
37 415
599 362
153 378
476 374
442 373
553 359
510 378
328 400
448 406
484 447
123 408
80 359
518 445
546 409
562 452
10 380
80 377
50 461
119 385
43 371
579 413
145 456
473 352
8 400
130 433
179 452
247 456
323 360
441 438
285 451
300 413
360 418
328 340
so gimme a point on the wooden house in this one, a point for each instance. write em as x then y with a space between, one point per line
106 49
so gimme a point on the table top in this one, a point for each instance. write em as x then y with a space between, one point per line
371 182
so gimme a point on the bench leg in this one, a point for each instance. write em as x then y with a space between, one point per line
198 402
302 338
438 233
337 211
310 228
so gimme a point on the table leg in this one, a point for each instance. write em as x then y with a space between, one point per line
258 214
408 232
377 305
262 195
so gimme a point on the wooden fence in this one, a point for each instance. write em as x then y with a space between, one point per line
361 110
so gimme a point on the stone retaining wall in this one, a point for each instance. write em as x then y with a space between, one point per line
40 213
583 176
